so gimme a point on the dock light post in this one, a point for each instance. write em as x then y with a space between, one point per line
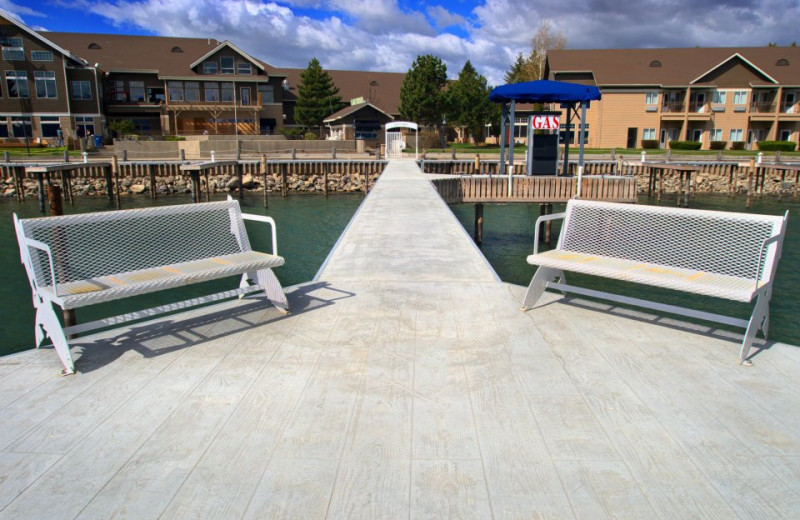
441 134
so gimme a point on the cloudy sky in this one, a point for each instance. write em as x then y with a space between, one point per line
386 35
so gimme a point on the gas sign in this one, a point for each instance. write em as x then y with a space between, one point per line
545 122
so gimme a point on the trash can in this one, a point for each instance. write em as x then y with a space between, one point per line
98 141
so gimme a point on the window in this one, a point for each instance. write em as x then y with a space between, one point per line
655 63
783 62
81 90
245 68
786 135
41 56
740 97
650 98
226 65
45 84
12 49
267 93
649 134
17 83
719 97
175 89
21 126
716 134
176 49
84 125
94 46
212 92
116 91
244 96
192 91
136 91
209 67
49 126
227 92
736 135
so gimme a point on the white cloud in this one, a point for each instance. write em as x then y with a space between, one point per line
18 11
444 18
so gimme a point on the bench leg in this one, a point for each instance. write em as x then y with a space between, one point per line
272 288
538 284
47 325
759 320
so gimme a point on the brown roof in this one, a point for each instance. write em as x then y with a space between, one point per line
679 66
382 89
346 111
118 52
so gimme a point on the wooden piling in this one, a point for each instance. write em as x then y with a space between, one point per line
479 224
477 164
240 177
115 169
750 174
107 173
325 178
284 186
264 175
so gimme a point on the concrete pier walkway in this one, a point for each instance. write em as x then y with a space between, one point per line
406 383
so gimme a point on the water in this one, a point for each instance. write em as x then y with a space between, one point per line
308 227
508 240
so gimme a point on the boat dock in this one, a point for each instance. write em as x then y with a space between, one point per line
406 383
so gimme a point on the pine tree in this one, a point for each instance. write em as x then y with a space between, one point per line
516 73
317 96
468 102
421 96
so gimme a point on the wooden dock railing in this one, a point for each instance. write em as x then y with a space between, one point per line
536 189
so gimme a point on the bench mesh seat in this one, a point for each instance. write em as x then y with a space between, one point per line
77 260
698 282
720 254
101 289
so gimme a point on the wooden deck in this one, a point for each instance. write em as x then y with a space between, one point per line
536 189
406 383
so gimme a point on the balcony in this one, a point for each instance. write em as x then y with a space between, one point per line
763 107
673 107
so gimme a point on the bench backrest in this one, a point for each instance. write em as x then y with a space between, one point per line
713 241
96 244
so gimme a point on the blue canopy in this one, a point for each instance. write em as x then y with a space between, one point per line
544 91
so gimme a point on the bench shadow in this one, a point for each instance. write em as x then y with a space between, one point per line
759 344
172 333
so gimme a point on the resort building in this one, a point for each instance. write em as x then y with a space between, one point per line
81 82
737 95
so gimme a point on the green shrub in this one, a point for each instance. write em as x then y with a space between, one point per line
774 146
737 145
310 136
291 133
684 145
174 138
717 145
649 143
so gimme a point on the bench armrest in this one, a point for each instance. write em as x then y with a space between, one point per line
762 256
271 222
42 247
553 216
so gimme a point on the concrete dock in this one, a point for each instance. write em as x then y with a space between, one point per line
406 383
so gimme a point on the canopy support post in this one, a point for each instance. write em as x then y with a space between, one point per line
582 136
503 116
513 123
565 168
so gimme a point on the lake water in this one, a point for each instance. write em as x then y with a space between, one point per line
309 225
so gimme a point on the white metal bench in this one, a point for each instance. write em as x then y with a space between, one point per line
78 260
725 255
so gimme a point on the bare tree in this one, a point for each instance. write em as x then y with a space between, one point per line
544 40
531 67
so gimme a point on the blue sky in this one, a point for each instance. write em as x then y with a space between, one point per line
387 35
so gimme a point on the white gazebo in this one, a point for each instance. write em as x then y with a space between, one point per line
394 139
